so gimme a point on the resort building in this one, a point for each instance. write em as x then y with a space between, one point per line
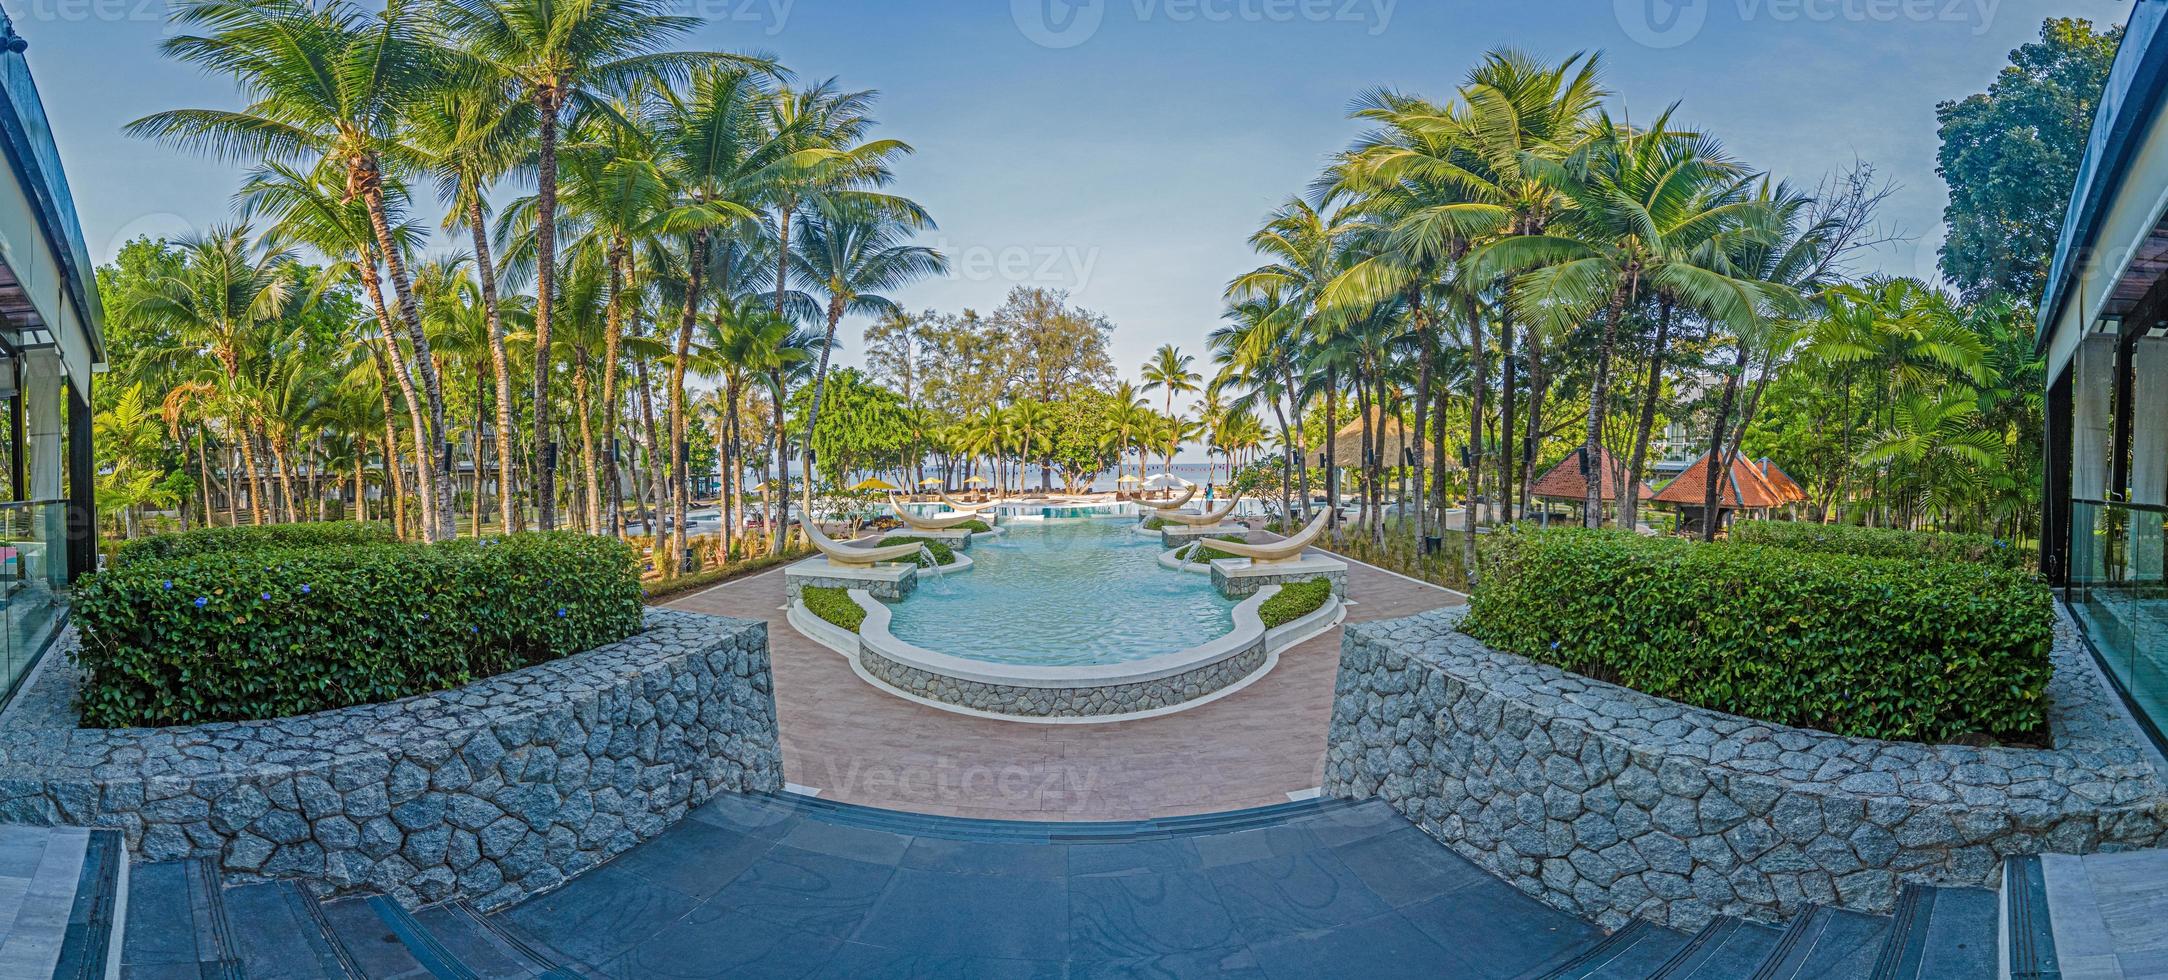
1754 487
50 349
1567 482
2107 367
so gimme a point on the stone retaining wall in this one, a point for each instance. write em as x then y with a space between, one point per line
490 792
1615 805
1065 702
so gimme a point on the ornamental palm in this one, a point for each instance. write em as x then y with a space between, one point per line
561 56
325 81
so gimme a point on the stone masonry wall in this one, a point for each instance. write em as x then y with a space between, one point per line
1066 702
489 792
1615 805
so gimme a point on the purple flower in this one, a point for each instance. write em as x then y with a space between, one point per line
169 585
202 602
267 597
1554 644
474 629
425 617
305 589
561 612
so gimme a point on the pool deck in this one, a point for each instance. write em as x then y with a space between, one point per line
856 744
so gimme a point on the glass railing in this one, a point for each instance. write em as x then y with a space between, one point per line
33 583
2120 598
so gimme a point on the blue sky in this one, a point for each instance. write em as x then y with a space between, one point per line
1124 149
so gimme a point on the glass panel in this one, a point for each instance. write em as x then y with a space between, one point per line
2117 591
33 582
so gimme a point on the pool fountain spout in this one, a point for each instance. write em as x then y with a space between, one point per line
1168 506
1278 552
851 556
1206 519
918 523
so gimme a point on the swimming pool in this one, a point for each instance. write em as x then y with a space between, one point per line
1063 593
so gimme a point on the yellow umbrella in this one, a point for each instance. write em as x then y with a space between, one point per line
931 481
976 480
1129 479
875 483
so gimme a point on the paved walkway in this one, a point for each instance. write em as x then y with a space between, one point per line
857 744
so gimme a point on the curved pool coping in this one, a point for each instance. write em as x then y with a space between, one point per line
1040 687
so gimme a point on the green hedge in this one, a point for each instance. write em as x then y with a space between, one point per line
1848 644
217 540
1294 601
236 635
975 526
834 605
1156 523
1878 542
942 553
1202 551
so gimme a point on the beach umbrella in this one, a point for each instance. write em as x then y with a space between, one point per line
1168 479
976 481
931 481
1126 478
875 483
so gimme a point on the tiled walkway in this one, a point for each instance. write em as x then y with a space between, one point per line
860 745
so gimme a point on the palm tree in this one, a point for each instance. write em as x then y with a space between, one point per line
329 82
470 135
1635 207
559 57
226 294
1030 425
1169 369
847 255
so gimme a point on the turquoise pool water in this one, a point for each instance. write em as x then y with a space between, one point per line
1063 593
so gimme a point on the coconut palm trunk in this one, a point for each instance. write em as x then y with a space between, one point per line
500 366
1629 501
1599 389
545 279
1479 384
392 362
1710 501
680 501
434 457
612 334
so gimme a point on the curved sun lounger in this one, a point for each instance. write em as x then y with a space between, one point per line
1285 549
930 523
849 556
1205 519
1164 505
955 504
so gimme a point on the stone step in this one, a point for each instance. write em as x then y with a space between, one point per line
1940 934
1824 943
186 923
2099 915
1637 950
1725 949
62 901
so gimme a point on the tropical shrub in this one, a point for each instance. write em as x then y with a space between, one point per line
1880 542
271 632
1203 551
214 540
1156 523
975 526
942 553
1861 646
834 605
1294 601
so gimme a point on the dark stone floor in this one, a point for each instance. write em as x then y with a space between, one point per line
753 887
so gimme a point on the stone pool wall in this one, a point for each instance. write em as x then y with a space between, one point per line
1065 702
1615 805
490 792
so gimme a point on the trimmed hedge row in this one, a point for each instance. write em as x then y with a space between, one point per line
1881 542
975 526
1859 646
1294 601
243 537
942 553
832 604
248 634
